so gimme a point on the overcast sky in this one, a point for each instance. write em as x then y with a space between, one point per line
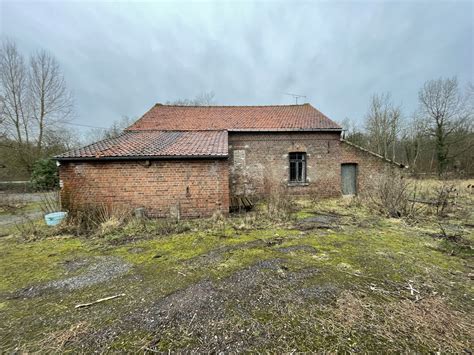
121 58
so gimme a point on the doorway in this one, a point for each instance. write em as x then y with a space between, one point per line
349 179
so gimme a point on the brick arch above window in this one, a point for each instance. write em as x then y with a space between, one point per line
297 147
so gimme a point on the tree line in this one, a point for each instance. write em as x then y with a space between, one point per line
437 138
36 106
36 109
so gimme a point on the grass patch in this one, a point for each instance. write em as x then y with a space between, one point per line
341 283
22 264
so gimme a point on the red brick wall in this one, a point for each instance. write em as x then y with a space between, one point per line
259 161
196 187
369 167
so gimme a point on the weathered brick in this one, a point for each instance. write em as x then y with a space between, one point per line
200 189
197 188
260 161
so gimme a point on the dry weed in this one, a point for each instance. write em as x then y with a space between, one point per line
10 203
429 322
99 218
56 341
50 202
393 196
280 204
27 228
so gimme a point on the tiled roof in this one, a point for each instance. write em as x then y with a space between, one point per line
199 131
144 144
234 118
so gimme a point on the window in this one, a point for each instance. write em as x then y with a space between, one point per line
298 167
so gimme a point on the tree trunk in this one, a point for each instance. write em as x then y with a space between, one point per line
441 150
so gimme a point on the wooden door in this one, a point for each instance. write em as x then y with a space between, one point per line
349 179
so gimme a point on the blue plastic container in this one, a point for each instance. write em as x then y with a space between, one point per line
53 219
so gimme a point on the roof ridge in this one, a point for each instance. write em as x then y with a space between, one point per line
211 106
126 130
227 117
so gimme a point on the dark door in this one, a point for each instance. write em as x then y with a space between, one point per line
349 179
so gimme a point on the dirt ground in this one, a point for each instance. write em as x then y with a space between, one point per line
335 276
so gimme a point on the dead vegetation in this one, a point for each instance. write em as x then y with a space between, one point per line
10 203
280 203
418 202
396 196
28 228
402 322
393 195
50 202
57 341
329 275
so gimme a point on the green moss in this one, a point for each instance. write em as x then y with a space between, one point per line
351 257
23 263
384 252
240 259
303 214
175 248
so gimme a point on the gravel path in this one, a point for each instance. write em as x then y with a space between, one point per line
96 270
208 309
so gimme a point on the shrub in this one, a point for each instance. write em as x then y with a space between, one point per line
445 198
280 204
392 195
50 202
98 218
45 175
27 228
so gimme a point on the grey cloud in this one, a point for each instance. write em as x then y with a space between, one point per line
121 58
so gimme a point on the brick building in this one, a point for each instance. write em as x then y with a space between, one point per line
195 160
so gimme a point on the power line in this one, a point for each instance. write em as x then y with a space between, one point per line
83 125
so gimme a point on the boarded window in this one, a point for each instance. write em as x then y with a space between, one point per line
297 167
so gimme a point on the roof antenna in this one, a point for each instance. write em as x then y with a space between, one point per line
295 96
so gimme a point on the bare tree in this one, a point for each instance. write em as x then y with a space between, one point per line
50 101
117 127
383 125
412 141
446 112
34 101
353 133
13 93
3 134
470 97
202 99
